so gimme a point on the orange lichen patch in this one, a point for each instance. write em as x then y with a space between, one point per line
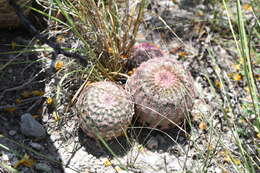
25 161
236 161
13 45
258 135
232 160
18 100
223 152
236 66
38 93
228 158
59 38
218 84
110 50
210 147
226 110
247 7
174 50
230 75
118 169
202 125
237 77
242 121
124 56
107 163
131 71
88 83
247 89
182 53
58 65
10 109
49 100
25 94
56 116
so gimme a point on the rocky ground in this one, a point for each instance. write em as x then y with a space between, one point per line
39 130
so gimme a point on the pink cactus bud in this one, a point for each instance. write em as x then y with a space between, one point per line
142 52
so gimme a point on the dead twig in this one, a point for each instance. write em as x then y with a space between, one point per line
20 86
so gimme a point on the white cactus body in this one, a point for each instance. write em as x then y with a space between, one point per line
105 109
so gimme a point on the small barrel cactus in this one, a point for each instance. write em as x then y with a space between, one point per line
142 52
163 92
104 109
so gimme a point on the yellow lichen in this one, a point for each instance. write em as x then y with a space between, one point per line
237 77
49 100
218 84
25 94
38 93
247 7
18 100
58 65
10 109
107 163
25 161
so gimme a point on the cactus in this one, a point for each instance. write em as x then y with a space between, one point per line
104 109
163 92
142 52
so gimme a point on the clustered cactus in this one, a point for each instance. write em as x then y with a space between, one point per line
105 109
160 88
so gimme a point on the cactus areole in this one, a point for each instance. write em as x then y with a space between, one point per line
163 92
105 110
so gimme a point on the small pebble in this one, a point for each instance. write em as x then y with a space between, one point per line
30 127
43 167
181 139
152 143
36 146
161 140
210 70
12 132
218 170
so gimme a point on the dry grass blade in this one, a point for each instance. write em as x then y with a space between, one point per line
110 38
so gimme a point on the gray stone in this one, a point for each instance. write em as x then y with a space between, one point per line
36 146
161 140
152 143
43 167
30 127
12 132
